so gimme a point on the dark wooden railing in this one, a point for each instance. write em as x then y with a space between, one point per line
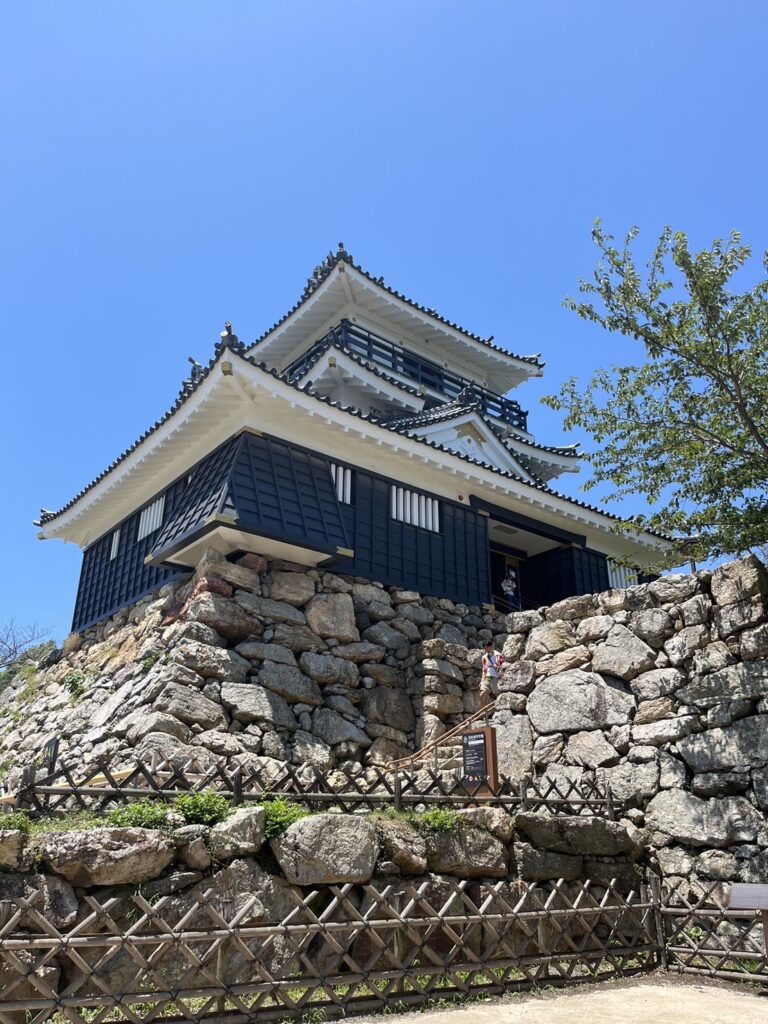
421 371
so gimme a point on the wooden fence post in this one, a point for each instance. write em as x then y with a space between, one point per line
658 920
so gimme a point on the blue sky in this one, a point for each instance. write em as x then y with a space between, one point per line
172 165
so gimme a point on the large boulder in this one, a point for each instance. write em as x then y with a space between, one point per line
688 819
266 608
495 820
577 700
659 682
251 703
466 852
291 684
623 654
549 638
239 835
52 898
191 707
738 581
576 834
590 749
332 615
107 856
295 588
631 783
141 723
740 745
534 865
308 749
327 849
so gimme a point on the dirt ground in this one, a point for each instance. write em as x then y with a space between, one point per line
661 999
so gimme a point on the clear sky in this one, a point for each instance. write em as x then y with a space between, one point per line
171 165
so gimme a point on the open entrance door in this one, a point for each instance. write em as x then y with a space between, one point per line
505 580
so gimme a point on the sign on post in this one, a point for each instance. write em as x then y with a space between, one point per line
480 771
751 897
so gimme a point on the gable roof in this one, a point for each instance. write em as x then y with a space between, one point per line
342 259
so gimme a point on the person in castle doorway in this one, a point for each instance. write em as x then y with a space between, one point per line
510 589
493 661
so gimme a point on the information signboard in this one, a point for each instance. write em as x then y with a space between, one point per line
480 774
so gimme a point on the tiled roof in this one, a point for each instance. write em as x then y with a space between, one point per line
323 270
231 343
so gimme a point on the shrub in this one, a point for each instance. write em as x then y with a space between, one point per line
280 815
16 819
142 814
75 683
149 662
437 819
206 808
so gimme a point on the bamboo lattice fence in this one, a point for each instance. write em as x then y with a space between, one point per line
348 789
283 952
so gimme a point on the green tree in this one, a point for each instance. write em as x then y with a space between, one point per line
687 426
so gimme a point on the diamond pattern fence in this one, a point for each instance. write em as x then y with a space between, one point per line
347 788
279 952
702 936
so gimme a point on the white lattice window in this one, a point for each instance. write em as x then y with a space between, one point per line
621 576
115 546
342 478
415 509
151 518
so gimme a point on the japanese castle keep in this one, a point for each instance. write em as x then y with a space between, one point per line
363 432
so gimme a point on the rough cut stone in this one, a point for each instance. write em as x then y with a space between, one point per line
107 856
740 745
549 638
654 710
673 589
732 618
403 845
563 661
577 700
523 622
749 680
514 742
712 658
575 834
191 707
590 749
54 899
327 849
651 625
141 723
388 707
308 749
360 652
326 668
578 607
297 638
754 643
241 834
632 783
291 684
12 845
669 730
466 852
695 610
292 587
212 662
659 682
760 787
331 728
740 580
266 608
383 635
517 678
548 748
493 819
257 651
719 783
251 703
597 627
332 615
623 655
222 614
544 865
717 864
688 819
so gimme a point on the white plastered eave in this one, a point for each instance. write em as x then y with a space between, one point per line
250 397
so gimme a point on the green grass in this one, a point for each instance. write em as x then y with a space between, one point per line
281 814
141 814
435 820
16 820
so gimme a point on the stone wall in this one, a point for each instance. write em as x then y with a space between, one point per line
660 690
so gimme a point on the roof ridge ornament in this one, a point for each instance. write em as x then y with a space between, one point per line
323 269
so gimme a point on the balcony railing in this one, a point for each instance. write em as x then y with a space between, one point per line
423 372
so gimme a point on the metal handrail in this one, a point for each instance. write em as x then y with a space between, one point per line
407 762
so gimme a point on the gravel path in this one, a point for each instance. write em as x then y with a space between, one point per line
657 1000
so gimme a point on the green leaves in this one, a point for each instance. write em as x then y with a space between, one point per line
686 427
